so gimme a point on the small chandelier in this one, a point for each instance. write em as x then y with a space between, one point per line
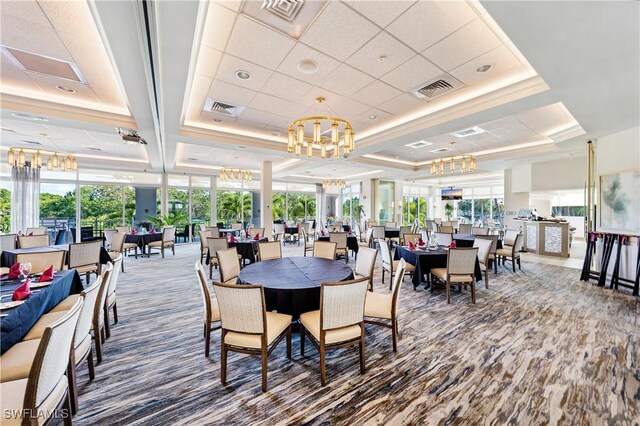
461 163
334 184
338 133
17 157
235 175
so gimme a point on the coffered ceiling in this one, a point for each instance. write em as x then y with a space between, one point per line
528 76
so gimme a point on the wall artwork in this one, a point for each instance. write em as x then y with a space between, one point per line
620 202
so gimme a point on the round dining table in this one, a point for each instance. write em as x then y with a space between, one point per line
292 284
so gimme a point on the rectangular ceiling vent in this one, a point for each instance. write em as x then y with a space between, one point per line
222 108
440 150
419 144
436 87
475 130
32 142
31 62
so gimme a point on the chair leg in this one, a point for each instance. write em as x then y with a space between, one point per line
73 384
383 276
323 370
301 340
92 372
264 368
473 291
289 342
115 312
394 333
448 292
207 338
67 410
513 264
223 362
97 339
136 251
486 278
162 250
210 270
122 263
107 325
519 266
362 364
173 249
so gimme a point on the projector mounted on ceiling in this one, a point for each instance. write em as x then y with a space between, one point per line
131 137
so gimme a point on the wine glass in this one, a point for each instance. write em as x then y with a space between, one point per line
25 270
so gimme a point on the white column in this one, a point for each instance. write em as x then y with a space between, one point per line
319 206
340 202
213 191
164 191
399 207
266 196
78 212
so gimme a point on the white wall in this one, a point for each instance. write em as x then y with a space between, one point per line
559 174
617 152
513 201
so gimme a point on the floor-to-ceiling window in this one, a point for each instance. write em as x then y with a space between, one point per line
5 205
479 205
384 191
351 208
101 207
293 202
415 204
200 201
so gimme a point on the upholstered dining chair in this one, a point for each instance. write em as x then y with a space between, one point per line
339 322
368 240
509 239
33 400
492 251
371 223
82 348
40 230
461 263
340 238
108 237
43 260
112 303
247 327
484 249
465 228
7 242
479 231
168 240
324 249
269 250
365 264
117 248
229 265
385 306
378 233
511 252
400 238
127 247
445 229
391 266
26 241
259 231
443 238
446 223
214 231
85 258
391 224
203 244
278 231
211 310
307 246
123 229
410 238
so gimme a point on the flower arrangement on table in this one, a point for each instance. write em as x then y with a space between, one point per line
330 220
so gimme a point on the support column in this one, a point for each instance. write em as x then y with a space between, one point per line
78 212
266 196
339 203
164 201
319 206
213 191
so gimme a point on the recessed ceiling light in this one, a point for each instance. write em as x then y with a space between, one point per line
382 58
307 66
484 68
28 116
241 147
65 89
217 120
373 117
243 75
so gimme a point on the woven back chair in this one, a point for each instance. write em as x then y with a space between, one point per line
25 241
108 237
99 331
247 327
384 307
215 244
85 258
270 250
340 238
203 243
229 265
256 231
492 250
122 229
112 303
411 238
510 238
443 239
168 241
365 264
445 229
43 260
211 309
465 228
378 233
324 249
460 269
214 231
40 230
339 322
479 231
7 242
512 252
391 225
484 249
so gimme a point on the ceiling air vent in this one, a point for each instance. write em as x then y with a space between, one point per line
32 62
475 130
32 142
419 144
438 86
439 150
222 108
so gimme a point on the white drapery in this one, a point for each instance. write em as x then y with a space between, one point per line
25 198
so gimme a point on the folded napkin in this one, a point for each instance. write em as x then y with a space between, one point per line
420 242
20 234
22 292
233 239
153 231
322 232
30 234
133 231
47 275
349 232
453 244
411 246
14 271
257 237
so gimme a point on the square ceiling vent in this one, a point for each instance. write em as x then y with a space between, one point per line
290 17
31 62
211 105
471 131
418 144
436 87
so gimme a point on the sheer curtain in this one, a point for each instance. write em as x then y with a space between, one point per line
25 198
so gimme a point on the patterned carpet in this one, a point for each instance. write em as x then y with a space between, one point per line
539 347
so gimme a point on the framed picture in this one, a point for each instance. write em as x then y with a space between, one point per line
620 202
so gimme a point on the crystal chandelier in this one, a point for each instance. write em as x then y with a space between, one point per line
334 184
461 163
336 134
235 175
17 157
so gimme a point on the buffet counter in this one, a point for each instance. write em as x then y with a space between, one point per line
548 238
